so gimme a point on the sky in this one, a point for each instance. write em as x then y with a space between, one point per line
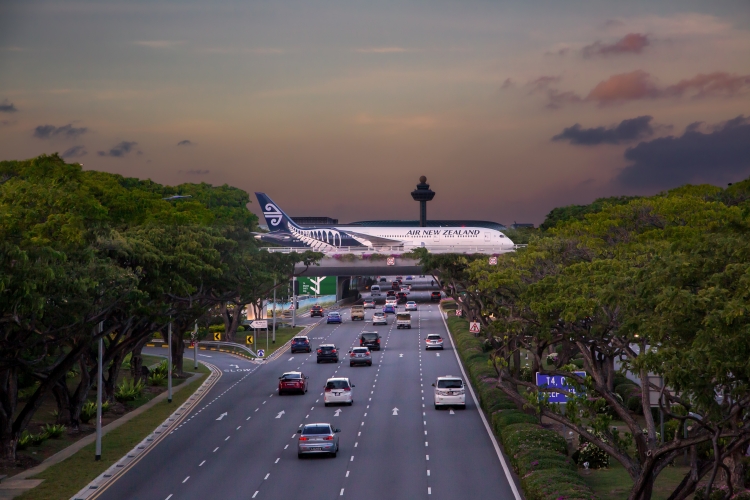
335 108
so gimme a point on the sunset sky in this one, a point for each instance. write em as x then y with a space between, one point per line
335 108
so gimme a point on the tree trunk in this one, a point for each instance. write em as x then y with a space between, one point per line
136 360
644 485
62 398
8 403
736 470
80 396
178 348
113 372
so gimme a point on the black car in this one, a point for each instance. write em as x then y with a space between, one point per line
316 311
371 340
301 344
435 296
390 293
401 298
328 352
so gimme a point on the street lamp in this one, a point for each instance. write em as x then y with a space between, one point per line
169 329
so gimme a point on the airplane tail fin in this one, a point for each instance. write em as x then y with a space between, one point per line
276 219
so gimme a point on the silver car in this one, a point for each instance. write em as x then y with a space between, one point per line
360 356
316 439
378 318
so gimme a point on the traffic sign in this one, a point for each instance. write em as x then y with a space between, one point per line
556 382
249 339
493 261
259 323
391 261
217 336
261 353
458 312
474 327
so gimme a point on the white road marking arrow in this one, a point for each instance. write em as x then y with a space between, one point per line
222 415
452 412
291 358
400 355
395 411
280 414
338 412
234 366
438 355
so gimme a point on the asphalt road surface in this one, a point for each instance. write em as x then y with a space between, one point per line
240 441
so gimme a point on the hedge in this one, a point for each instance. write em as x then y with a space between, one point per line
538 455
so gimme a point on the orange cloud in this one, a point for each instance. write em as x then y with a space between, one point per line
624 87
632 43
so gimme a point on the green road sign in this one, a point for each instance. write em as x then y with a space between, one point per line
324 285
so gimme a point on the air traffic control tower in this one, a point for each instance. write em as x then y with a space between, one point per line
423 194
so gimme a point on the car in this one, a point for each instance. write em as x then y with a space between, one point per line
338 390
409 278
375 291
449 391
368 304
300 343
403 320
390 293
405 289
382 280
411 306
395 285
435 297
357 313
389 309
370 339
399 278
401 298
433 341
327 352
378 318
333 317
316 311
293 382
391 300
317 439
360 356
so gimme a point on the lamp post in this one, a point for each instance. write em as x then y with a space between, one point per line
423 194
99 382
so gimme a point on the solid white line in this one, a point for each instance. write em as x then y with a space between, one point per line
481 414
185 480
201 464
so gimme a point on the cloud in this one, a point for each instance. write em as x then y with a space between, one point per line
120 150
382 50
7 107
542 83
719 156
628 130
613 23
51 132
159 44
507 84
632 43
193 172
186 142
75 152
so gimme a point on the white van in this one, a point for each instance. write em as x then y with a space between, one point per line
375 291
403 320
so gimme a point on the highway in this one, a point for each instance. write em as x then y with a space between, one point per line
240 441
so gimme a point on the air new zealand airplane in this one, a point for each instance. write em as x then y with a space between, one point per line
283 231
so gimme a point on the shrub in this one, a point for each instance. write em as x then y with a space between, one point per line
156 379
24 441
88 410
635 404
129 390
518 438
53 431
161 369
589 455
554 484
533 460
502 419
620 378
627 389
37 439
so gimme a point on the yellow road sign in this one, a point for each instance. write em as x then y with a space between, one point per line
249 339
217 336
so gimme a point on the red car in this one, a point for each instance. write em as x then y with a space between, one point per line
293 382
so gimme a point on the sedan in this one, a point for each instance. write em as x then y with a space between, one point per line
368 304
360 356
433 341
411 306
292 382
316 439
327 352
379 318
316 311
389 309
405 290
333 317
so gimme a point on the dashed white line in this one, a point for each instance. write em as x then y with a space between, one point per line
216 449
266 476
255 494
347 473
285 447
185 480
201 464
277 460
227 439
170 496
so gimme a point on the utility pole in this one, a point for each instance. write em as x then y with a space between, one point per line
99 382
169 363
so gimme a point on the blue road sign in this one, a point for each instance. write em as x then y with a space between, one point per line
261 353
556 382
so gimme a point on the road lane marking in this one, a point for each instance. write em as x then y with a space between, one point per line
347 473
266 476
429 490
248 418
342 492
170 496
428 472
227 439
277 460
238 427
216 449
425 443
255 494
185 480
352 459
355 444
201 464
428 457
285 447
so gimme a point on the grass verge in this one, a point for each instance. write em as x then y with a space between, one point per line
65 479
614 483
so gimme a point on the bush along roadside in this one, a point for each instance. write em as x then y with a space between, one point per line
538 455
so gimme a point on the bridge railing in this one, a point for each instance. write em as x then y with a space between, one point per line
490 250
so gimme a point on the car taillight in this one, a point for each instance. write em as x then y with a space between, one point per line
328 389
320 351
347 389
378 341
303 438
352 355
361 341
328 438
334 351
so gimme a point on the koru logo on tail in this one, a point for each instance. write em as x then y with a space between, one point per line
273 214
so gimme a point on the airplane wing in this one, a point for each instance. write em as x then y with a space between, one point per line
374 241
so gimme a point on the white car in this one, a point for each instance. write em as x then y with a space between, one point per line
433 341
405 290
411 306
449 391
391 301
338 390
368 304
378 318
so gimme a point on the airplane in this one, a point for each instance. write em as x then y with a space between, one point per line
328 239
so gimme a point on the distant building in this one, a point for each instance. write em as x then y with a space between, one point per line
520 225
315 221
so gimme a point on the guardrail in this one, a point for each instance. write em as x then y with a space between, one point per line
400 249
230 347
